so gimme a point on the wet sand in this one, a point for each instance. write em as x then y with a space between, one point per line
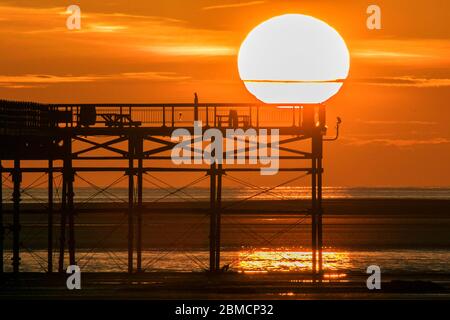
348 224
229 286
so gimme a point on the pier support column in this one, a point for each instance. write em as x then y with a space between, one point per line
316 212
71 213
131 153
68 205
213 219
140 149
314 205
2 229
67 174
62 234
17 179
50 218
218 214
319 203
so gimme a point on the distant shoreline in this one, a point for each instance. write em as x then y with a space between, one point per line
430 207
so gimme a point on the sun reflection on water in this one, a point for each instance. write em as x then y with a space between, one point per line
281 260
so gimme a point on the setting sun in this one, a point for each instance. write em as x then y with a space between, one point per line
293 58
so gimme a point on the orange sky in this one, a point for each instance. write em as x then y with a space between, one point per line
394 105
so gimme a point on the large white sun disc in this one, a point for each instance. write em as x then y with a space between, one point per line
293 58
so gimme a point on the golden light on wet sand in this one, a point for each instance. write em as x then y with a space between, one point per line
288 261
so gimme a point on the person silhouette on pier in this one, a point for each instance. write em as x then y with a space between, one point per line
195 106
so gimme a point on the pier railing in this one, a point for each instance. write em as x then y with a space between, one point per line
21 116
183 115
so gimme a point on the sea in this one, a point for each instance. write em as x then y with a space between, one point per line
247 259
250 260
170 194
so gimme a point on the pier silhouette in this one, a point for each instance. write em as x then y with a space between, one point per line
35 132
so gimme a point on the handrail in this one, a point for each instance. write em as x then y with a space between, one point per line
152 114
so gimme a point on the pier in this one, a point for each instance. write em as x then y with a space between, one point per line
68 137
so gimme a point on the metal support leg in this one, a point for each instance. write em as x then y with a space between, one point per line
213 220
62 236
50 218
218 214
2 229
314 210
131 149
17 179
139 203
67 206
319 204
317 242
71 214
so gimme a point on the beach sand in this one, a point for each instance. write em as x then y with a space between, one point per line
229 286
348 224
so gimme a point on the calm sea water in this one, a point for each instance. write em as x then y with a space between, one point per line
230 193
254 260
